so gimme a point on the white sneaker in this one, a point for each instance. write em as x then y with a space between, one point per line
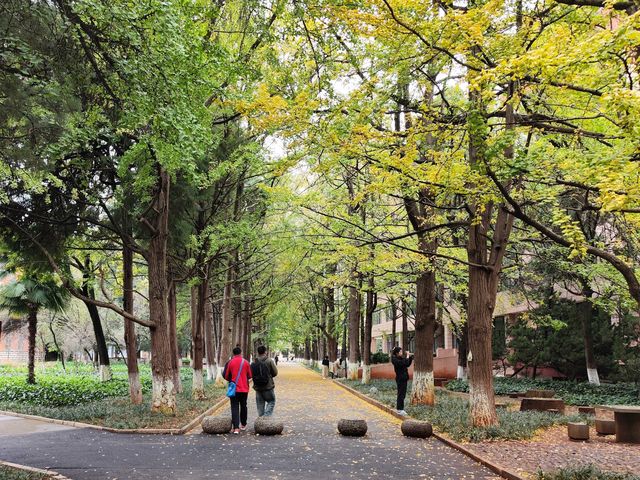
402 412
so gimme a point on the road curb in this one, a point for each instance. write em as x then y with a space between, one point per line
148 431
52 474
503 472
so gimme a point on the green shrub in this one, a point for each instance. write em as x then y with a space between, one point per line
589 472
380 357
56 391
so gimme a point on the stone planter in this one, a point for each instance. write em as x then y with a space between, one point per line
352 428
216 425
578 431
268 426
416 428
605 427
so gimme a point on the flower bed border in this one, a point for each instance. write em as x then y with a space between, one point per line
219 402
50 473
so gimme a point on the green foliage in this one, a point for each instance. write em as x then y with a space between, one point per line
552 336
573 393
77 395
451 415
55 391
589 472
380 357
8 473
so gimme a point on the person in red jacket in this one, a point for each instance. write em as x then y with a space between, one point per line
239 401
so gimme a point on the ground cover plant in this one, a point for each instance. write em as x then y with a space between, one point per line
589 472
573 393
76 394
8 473
451 415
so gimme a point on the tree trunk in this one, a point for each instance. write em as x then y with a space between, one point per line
208 337
226 323
485 264
354 332
163 397
198 298
307 351
372 302
463 335
172 305
101 343
423 388
130 340
394 330
32 329
586 316
405 325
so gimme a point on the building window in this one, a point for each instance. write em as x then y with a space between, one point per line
378 344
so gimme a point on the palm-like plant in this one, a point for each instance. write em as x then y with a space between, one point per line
26 296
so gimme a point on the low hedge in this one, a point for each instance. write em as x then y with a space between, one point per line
573 393
58 391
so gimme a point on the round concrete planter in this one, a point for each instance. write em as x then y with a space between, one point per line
268 426
578 431
416 428
352 428
605 427
216 425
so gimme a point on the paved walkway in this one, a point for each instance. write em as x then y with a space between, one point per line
310 447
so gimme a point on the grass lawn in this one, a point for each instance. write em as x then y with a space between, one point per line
76 395
7 473
451 415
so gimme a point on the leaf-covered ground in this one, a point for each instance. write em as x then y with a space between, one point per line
310 447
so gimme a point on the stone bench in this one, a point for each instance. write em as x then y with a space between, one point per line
542 404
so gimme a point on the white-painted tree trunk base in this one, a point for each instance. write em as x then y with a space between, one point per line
423 390
220 381
482 408
163 395
461 374
366 374
197 387
592 375
104 371
211 372
352 371
135 388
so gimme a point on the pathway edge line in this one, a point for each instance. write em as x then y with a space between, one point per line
148 431
54 475
503 472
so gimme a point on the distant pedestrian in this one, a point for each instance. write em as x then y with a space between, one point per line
263 369
401 366
238 370
276 359
325 366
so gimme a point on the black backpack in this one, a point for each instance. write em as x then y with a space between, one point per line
260 373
